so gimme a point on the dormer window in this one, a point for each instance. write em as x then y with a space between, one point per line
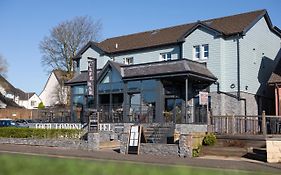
129 60
165 56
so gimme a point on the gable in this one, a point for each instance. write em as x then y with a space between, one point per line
111 72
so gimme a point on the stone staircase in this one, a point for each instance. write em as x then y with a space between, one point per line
256 154
251 148
158 133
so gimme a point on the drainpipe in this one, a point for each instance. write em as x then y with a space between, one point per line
238 68
277 105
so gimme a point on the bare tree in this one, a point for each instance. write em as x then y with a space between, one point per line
3 66
65 40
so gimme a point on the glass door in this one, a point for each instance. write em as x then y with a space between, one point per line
173 110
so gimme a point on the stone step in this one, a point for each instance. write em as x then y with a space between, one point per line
224 151
255 156
261 151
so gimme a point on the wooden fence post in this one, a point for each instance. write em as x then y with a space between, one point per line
233 125
264 129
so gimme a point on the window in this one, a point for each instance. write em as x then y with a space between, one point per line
196 51
129 60
32 103
205 51
201 52
106 78
165 56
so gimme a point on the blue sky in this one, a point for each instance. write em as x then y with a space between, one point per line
24 23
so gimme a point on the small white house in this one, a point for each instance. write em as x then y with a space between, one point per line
55 92
29 100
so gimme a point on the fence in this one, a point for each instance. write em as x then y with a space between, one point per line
252 125
18 113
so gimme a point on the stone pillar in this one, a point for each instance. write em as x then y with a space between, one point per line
124 143
93 141
273 150
185 145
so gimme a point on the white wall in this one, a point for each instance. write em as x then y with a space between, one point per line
49 95
27 103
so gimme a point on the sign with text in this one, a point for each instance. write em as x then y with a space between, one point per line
92 77
93 121
203 98
134 139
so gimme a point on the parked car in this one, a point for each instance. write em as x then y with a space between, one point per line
23 123
6 122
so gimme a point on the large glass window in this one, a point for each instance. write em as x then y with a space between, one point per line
148 84
106 78
134 85
78 89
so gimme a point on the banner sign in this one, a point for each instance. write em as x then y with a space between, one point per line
203 98
92 72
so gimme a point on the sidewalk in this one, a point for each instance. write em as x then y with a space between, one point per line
107 154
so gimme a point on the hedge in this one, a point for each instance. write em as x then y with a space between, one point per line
11 132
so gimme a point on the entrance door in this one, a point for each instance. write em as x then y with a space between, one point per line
173 110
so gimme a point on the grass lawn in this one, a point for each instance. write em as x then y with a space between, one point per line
37 165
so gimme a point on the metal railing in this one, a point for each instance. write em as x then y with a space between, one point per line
243 125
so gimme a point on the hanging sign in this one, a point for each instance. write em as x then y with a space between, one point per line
91 77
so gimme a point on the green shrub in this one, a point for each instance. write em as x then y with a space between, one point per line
11 132
41 105
209 139
196 151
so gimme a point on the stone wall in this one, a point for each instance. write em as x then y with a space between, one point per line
190 128
223 104
273 149
92 142
185 145
66 143
159 149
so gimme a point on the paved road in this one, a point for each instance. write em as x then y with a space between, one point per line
105 155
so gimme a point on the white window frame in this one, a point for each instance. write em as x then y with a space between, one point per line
204 46
128 60
32 103
196 53
164 56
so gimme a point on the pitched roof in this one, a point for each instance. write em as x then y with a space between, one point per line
168 68
9 88
154 69
61 75
226 26
26 96
276 74
79 78
8 102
